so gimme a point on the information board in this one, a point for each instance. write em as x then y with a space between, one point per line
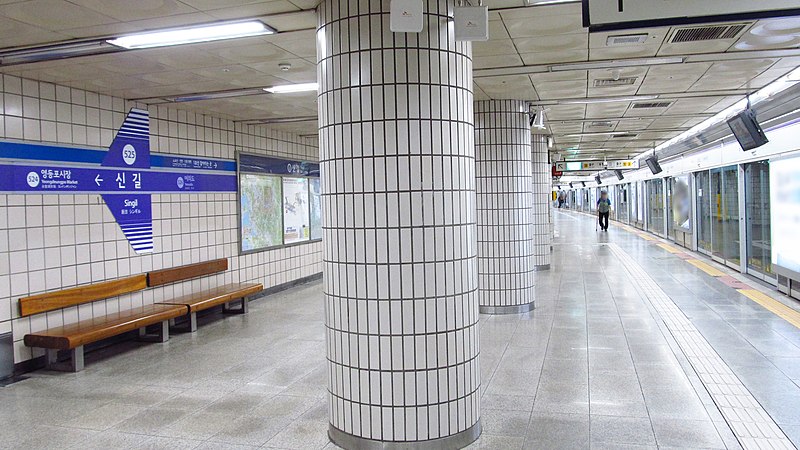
296 212
260 211
315 201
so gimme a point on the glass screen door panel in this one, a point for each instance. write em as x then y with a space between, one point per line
757 213
715 192
668 210
730 211
655 203
703 211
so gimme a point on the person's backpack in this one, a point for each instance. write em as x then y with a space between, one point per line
604 206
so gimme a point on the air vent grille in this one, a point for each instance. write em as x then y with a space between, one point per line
610 82
628 39
650 105
601 124
624 136
707 33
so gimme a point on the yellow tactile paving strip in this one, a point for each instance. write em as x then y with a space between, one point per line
786 313
706 268
770 304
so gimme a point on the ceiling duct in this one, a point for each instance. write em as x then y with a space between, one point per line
651 105
707 33
611 82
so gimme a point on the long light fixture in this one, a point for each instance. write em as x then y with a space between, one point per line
191 35
765 93
57 51
547 2
290 88
590 101
617 63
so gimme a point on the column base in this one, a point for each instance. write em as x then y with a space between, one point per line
350 442
511 309
541 268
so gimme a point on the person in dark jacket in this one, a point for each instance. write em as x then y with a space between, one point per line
603 209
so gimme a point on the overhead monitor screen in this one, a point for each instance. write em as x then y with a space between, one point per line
747 130
785 210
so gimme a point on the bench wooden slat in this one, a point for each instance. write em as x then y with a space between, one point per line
82 294
200 301
187 272
102 327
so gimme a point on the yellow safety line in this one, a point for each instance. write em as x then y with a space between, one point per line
670 248
778 308
705 268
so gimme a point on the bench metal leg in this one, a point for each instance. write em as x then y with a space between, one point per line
242 309
161 336
75 363
189 325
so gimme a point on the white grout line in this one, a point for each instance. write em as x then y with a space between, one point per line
748 420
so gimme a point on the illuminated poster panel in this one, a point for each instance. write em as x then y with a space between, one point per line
316 208
681 203
784 183
296 215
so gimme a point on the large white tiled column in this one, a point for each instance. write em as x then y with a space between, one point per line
398 171
542 192
504 169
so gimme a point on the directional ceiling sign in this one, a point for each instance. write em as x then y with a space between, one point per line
580 166
123 175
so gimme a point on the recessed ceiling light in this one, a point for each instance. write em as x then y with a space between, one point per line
289 88
591 101
617 63
547 2
191 35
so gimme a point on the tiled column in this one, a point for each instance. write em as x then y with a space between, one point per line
542 192
503 169
398 170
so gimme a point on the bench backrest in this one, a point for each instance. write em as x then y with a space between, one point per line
175 274
65 298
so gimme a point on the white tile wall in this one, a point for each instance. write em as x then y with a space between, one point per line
56 241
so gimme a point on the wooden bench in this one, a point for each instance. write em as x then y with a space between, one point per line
73 337
199 301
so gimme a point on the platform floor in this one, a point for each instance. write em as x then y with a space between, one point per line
631 346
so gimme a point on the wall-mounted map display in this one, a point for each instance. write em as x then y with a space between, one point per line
296 218
261 211
279 202
316 208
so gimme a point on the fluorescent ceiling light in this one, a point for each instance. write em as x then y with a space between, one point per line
57 51
547 2
591 101
289 88
204 33
763 94
618 63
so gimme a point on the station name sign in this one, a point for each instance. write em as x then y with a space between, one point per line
581 166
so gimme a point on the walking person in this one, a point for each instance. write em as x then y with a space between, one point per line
603 210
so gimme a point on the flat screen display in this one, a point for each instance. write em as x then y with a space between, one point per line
785 211
653 164
261 214
747 130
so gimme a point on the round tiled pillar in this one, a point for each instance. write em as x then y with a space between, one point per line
503 170
542 192
397 157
